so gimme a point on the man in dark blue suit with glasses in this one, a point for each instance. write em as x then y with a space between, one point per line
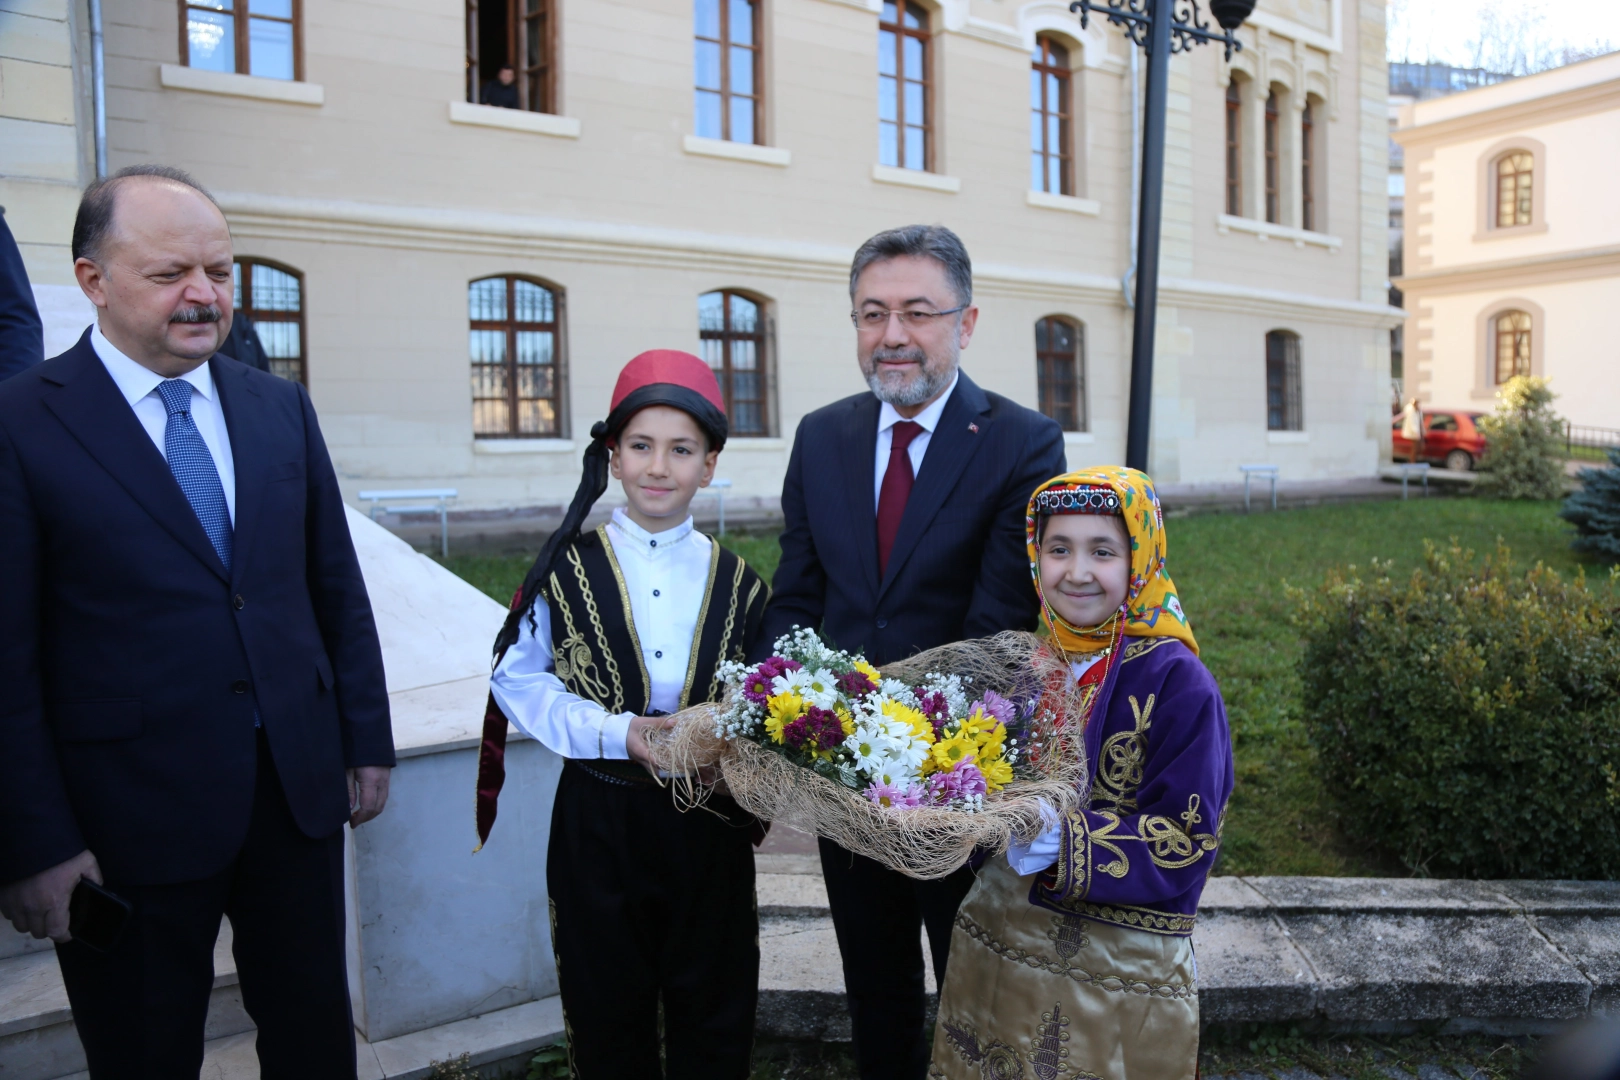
904 529
192 701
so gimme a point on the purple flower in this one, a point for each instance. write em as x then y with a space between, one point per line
796 733
997 706
817 729
854 684
757 686
936 708
961 782
888 795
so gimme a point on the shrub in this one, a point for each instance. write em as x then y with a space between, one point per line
1595 510
452 1069
1524 443
1467 719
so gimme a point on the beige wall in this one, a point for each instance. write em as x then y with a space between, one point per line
1563 268
389 208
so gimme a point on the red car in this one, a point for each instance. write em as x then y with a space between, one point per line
1452 439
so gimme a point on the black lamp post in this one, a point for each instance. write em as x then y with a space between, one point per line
1162 27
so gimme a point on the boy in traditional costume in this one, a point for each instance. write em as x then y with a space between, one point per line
651 906
1072 957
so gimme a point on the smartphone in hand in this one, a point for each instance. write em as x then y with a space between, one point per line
97 917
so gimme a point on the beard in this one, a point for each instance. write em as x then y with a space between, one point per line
904 390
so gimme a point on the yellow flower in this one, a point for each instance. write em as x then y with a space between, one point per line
845 720
997 773
946 753
783 709
869 671
919 724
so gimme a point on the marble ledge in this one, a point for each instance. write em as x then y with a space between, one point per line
180 77
442 718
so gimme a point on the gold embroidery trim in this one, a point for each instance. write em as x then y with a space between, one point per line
703 617
629 619
1142 647
1113 984
1120 763
575 665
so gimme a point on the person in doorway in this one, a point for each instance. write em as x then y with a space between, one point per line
653 916
192 700
1106 897
901 509
502 91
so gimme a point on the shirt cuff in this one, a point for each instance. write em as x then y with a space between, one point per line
1041 852
615 729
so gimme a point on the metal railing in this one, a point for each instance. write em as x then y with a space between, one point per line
1589 443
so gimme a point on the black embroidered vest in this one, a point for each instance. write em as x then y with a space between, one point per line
593 632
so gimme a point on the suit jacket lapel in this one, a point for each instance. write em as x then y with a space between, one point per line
950 448
243 422
859 449
89 405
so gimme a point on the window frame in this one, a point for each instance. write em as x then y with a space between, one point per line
1521 197
511 326
726 44
762 339
1285 373
926 37
1273 158
1527 334
517 54
1048 66
1047 378
1234 148
1307 168
1488 191
241 36
261 316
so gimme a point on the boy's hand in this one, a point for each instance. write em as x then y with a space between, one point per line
635 739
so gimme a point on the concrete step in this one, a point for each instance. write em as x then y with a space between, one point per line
37 1037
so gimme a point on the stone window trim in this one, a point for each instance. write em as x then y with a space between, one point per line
1234 147
1052 104
1485 384
1485 227
242 20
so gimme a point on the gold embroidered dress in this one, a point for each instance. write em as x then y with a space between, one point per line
1083 968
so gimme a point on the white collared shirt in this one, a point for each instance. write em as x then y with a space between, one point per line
666 575
887 418
139 386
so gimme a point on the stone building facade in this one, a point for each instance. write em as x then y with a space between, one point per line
458 283
1513 240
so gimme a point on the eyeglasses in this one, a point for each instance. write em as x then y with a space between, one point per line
876 318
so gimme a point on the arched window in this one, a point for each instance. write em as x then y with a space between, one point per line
1060 371
512 343
1307 169
731 328
726 64
904 121
1234 149
1284 401
1514 175
1273 161
1513 330
272 297
1051 150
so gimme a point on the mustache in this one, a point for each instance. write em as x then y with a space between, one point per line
207 313
914 355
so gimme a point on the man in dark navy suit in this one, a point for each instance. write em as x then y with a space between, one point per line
22 341
192 700
904 513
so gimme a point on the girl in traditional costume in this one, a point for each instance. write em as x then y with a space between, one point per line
652 908
1072 957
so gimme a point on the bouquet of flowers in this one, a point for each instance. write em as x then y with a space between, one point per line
900 746
918 765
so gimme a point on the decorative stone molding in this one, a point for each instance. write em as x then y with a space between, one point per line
180 77
1265 230
737 151
1485 227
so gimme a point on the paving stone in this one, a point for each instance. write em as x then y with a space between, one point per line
1230 895
801 981
788 864
1565 897
1593 943
1411 968
1324 895
790 895
1249 970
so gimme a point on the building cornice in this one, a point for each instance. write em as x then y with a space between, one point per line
490 233
1580 101
1528 270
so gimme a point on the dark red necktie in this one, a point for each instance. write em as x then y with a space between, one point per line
897 481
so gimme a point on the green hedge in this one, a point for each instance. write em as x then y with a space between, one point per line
1467 718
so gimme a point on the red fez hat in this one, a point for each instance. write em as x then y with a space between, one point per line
672 367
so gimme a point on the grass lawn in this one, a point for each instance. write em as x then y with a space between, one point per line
1231 570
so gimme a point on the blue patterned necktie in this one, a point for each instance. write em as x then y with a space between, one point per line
193 467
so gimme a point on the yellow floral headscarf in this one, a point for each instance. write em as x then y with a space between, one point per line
1152 608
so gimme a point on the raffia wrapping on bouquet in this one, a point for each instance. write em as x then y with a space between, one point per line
922 842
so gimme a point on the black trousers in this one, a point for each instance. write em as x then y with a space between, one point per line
652 906
878 915
140 1009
